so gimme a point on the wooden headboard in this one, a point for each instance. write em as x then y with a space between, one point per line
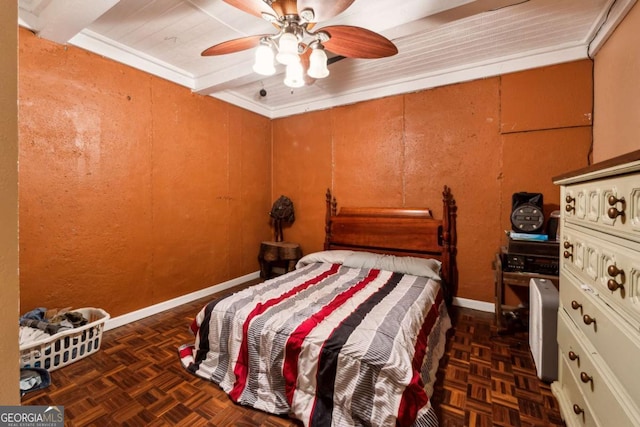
398 231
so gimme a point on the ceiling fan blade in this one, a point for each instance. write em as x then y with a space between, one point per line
324 9
285 7
235 45
356 42
253 7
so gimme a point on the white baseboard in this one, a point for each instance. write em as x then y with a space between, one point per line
175 302
474 304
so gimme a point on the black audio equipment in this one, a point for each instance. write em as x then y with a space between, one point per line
553 225
532 264
526 212
532 257
548 249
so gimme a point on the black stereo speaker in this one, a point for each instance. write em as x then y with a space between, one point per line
526 212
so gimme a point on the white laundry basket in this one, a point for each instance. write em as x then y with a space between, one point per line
68 346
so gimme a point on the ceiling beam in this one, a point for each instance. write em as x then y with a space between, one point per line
60 20
226 79
463 9
475 7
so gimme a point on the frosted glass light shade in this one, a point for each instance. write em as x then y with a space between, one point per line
294 76
318 64
264 61
288 49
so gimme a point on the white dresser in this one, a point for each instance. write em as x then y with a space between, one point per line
599 315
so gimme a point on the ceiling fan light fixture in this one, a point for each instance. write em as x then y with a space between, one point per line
294 76
298 45
307 15
264 60
288 49
318 63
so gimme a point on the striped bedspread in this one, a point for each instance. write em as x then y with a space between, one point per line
328 344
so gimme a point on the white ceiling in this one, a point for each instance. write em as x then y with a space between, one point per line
439 42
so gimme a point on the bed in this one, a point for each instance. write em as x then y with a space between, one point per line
353 336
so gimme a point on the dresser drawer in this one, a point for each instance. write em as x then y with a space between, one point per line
599 387
592 204
573 406
611 269
609 334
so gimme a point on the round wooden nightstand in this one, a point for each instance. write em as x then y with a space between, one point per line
278 254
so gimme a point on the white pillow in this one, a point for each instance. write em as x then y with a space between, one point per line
332 257
362 260
401 264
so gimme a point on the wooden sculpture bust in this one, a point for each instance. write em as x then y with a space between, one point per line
281 212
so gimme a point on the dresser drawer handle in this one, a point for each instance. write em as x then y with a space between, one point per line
577 410
569 246
614 271
588 319
573 356
613 200
613 213
585 378
569 201
575 305
613 285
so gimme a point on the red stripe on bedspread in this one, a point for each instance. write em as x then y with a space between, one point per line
194 327
414 397
240 369
294 342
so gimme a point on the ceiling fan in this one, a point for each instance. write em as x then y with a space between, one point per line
296 44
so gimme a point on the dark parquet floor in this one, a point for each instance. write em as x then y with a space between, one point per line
486 379
136 379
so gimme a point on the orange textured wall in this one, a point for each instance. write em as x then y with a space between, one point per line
302 149
133 190
553 97
474 137
546 129
616 128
